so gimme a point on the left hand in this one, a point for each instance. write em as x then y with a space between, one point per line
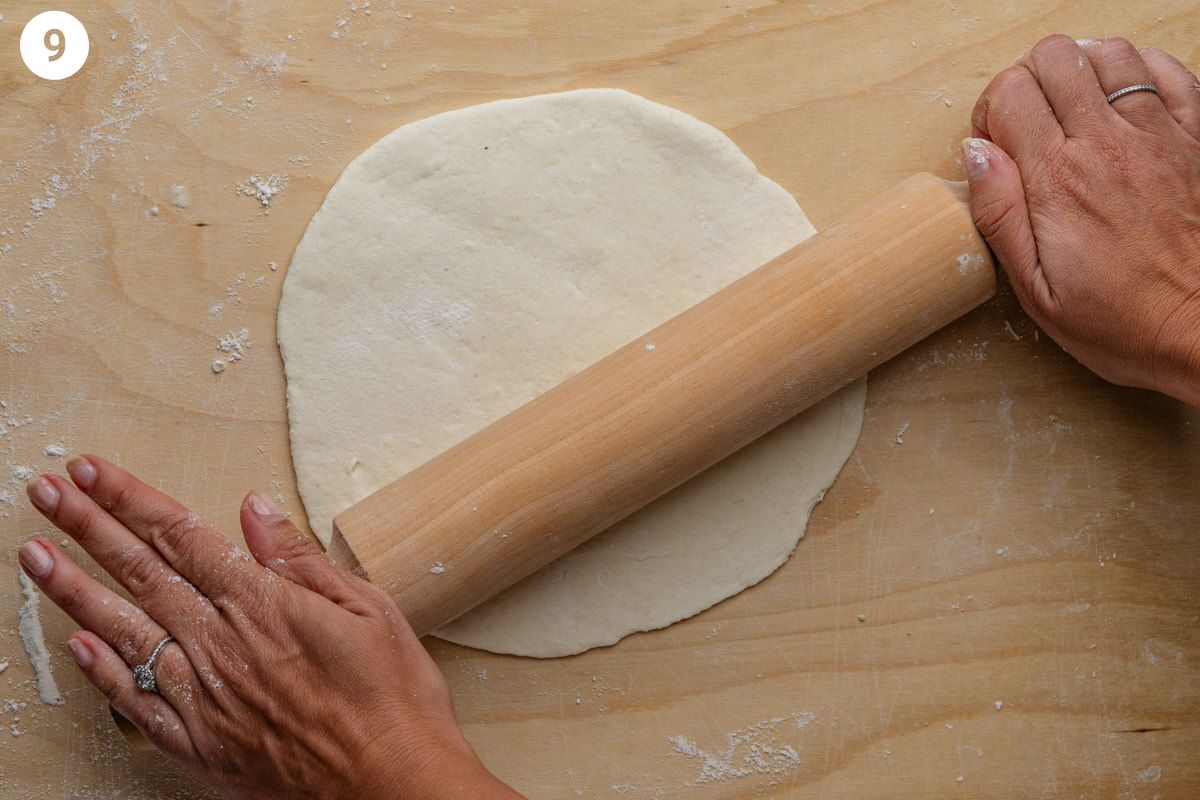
289 677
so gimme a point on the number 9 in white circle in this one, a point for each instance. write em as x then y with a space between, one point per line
54 45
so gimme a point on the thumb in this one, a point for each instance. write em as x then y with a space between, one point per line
277 544
998 206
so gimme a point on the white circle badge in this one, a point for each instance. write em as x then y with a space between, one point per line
54 45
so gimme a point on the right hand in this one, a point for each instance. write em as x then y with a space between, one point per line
1093 208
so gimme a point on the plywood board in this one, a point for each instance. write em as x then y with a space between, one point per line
1029 539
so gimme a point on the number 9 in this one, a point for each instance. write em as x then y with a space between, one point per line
55 42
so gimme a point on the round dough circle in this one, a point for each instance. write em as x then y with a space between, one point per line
468 262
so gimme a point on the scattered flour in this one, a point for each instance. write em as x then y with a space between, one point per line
976 151
758 749
29 625
437 569
55 450
22 475
235 344
180 198
940 94
269 63
263 188
968 263
1151 774
903 430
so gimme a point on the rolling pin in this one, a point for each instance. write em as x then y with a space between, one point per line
531 486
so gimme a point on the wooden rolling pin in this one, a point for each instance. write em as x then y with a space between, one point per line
529 487
628 429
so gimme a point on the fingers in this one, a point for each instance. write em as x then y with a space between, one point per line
124 627
1118 65
277 544
1013 113
152 714
1070 85
999 208
196 551
136 565
1177 88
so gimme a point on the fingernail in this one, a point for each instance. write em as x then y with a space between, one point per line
264 508
43 494
82 472
35 559
80 652
976 153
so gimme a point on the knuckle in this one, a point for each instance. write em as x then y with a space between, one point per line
377 595
1005 90
295 546
86 525
171 528
71 595
1012 76
133 641
126 495
994 215
1119 45
142 572
1154 54
1053 43
380 599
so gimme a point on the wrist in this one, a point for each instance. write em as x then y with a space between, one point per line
1177 365
438 768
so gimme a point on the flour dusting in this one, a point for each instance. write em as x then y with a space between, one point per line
968 263
235 344
22 475
29 626
976 151
758 749
180 198
263 188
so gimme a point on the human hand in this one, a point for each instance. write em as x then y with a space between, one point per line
1093 208
288 678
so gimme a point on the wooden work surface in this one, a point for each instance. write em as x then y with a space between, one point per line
1024 554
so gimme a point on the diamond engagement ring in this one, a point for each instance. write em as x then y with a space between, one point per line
143 674
1137 87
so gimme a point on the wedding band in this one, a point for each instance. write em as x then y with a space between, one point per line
1137 87
143 674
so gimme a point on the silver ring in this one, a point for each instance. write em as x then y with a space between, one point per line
1137 87
143 674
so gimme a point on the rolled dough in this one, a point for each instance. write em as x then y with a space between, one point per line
468 262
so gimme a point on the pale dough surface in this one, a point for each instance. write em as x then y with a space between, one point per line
468 262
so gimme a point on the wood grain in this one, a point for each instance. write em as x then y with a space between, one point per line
1058 570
